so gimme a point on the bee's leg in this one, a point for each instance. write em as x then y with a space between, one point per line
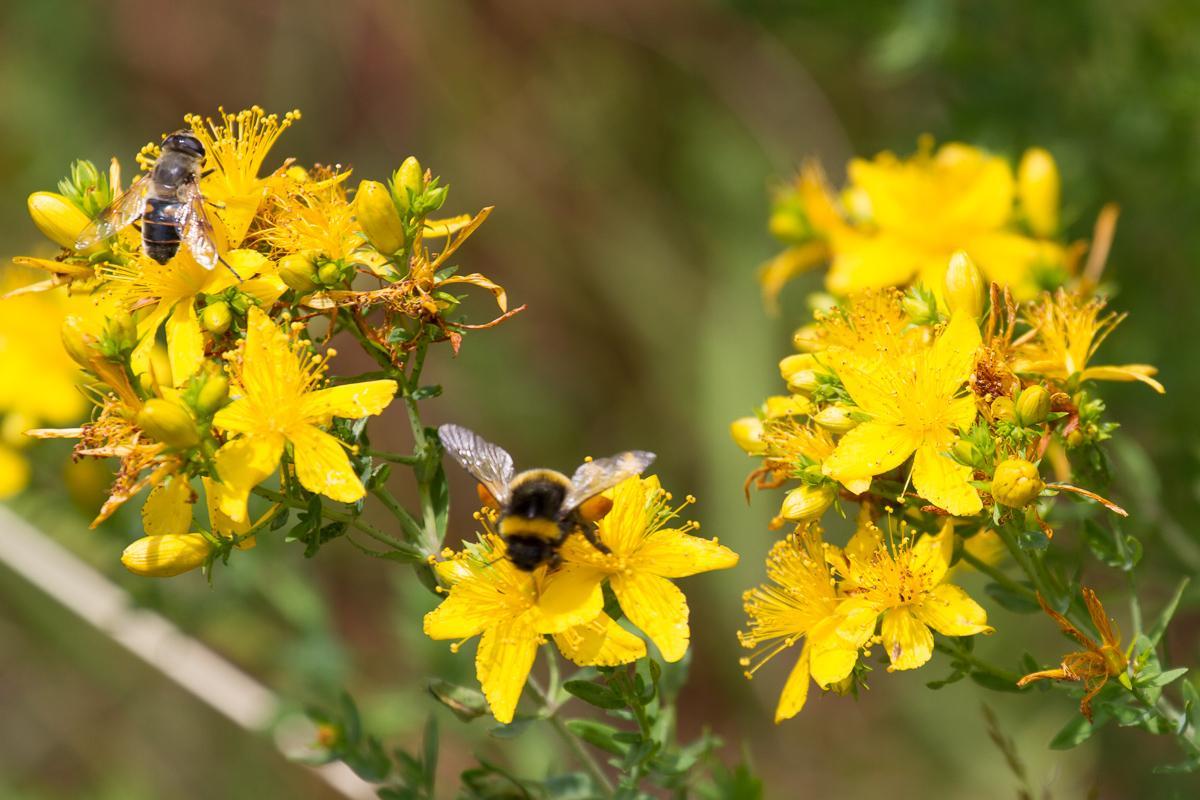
208 172
229 267
589 533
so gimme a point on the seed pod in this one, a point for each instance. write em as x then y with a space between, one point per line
807 502
747 433
964 285
1038 190
57 218
167 555
1033 406
378 217
1016 483
298 272
168 423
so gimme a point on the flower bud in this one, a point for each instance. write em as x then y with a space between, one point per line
120 335
378 217
807 502
1033 406
836 419
212 395
216 317
408 179
78 342
786 406
965 452
1075 438
1038 188
329 273
807 339
789 224
241 303
919 306
298 272
57 218
1003 409
801 372
160 367
167 555
1016 483
747 432
168 423
964 285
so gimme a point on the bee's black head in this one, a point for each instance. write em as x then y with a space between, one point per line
185 142
527 553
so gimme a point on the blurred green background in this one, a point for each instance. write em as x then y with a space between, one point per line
628 147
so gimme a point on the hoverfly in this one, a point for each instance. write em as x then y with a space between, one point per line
540 508
168 202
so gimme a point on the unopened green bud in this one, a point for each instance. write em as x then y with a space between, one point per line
1003 409
216 317
329 273
432 199
241 303
807 502
212 395
965 452
1033 406
168 423
919 306
408 179
1075 438
120 335
378 217
79 344
298 272
1016 483
964 285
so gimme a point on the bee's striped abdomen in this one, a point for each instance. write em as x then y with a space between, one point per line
160 231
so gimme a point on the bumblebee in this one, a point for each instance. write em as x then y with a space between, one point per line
540 508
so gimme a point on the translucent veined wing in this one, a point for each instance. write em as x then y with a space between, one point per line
490 464
119 214
593 477
197 231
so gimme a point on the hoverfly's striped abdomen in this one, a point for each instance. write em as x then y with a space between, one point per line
160 229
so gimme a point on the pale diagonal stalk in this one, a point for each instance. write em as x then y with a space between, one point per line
569 739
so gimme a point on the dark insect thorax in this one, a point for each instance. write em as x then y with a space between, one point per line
537 499
160 230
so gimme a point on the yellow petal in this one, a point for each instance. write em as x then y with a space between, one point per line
185 341
569 596
658 608
323 466
953 354
944 482
837 640
872 386
870 449
218 520
147 329
1127 372
600 643
238 417
795 690
168 509
243 464
960 413
461 616
266 290
166 556
351 401
932 552
948 610
907 640
502 664
675 554
870 262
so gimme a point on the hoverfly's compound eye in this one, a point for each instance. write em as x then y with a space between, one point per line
184 141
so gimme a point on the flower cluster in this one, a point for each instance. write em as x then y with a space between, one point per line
514 612
953 412
897 221
215 380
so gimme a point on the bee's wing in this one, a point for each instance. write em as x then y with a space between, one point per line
196 229
119 214
593 477
490 464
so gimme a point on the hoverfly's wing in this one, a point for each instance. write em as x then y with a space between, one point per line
119 214
196 230
593 477
487 462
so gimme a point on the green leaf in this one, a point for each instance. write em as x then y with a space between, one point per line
429 758
1075 732
596 734
1013 601
426 392
953 677
1033 540
570 786
1181 768
1168 677
989 681
1155 634
595 694
466 703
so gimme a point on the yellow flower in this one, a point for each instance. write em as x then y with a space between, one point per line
310 214
1096 663
645 555
916 407
906 584
1066 332
173 288
924 208
236 147
514 611
800 602
277 402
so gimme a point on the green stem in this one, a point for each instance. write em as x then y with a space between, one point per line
411 528
570 740
998 576
395 458
348 519
953 648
